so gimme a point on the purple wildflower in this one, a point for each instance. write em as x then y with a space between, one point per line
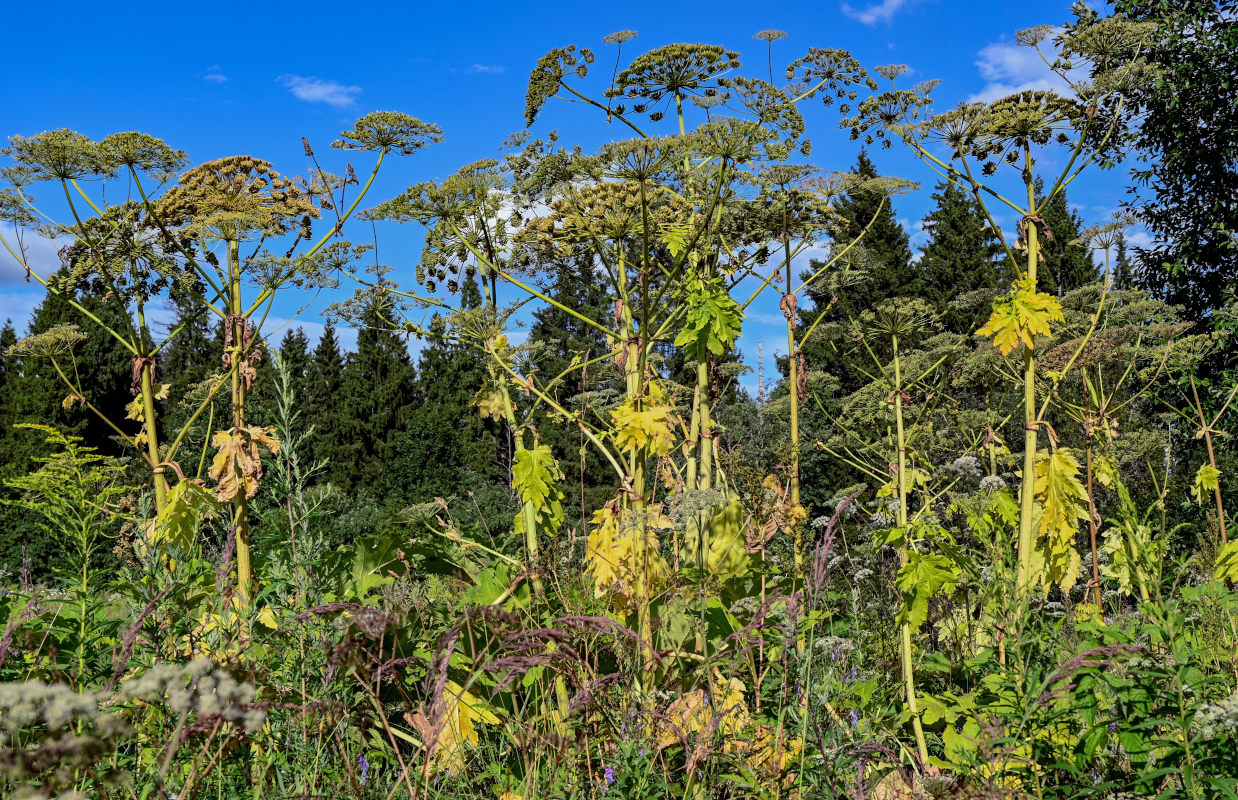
610 775
855 718
364 765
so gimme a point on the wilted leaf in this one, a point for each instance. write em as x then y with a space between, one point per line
237 460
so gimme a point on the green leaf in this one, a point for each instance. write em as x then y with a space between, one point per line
712 322
1227 562
188 503
922 578
1207 479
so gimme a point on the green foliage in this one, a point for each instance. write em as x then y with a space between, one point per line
922 578
1184 190
535 478
712 323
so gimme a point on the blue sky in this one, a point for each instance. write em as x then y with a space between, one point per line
228 78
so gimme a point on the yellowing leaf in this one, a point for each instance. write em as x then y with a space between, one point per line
458 714
1227 562
188 503
489 402
1021 316
623 559
1207 479
238 461
647 427
535 477
1061 500
722 710
727 556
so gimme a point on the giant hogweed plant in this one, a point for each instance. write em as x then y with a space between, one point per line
967 146
665 219
672 225
211 233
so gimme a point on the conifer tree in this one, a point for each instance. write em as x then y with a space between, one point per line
446 447
1067 265
294 352
324 401
1121 265
962 255
886 248
34 392
377 398
8 338
100 368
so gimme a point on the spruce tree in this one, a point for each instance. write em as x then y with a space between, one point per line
324 401
34 392
100 367
295 355
962 255
1067 264
445 447
1121 265
377 399
886 248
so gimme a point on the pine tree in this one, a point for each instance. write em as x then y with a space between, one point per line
377 397
1067 265
886 248
324 400
962 255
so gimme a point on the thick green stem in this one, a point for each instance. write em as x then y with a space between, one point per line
909 678
527 510
1027 491
152 437
1092 517
240 504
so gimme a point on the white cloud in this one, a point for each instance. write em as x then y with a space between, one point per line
215 77
316 90
882 12
485 69
41 254
19 307
1009 68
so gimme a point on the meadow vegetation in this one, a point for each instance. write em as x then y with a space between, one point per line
975 540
